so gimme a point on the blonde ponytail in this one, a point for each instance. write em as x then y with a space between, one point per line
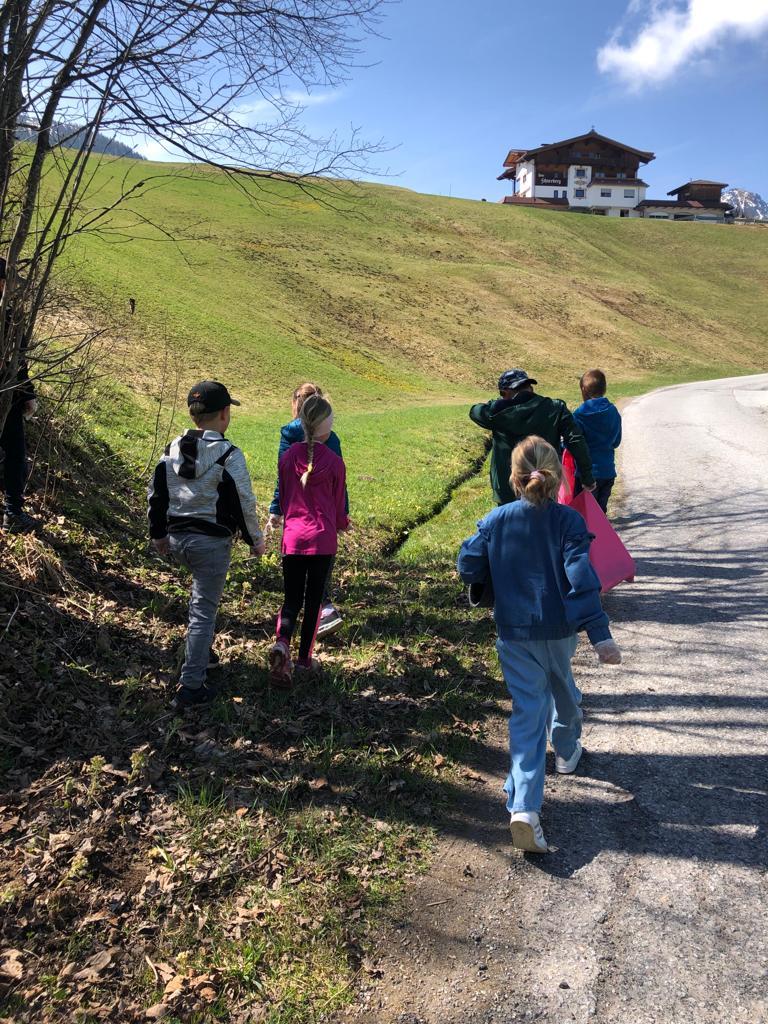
536 470
302 393
314 411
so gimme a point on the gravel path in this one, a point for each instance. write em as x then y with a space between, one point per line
653 906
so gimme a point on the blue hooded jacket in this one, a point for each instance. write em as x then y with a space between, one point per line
293 433
538 561
600 423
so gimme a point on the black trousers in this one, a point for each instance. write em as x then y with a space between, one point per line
327 587
601 493
15 463
304 579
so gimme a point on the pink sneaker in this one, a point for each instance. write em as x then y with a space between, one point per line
280 664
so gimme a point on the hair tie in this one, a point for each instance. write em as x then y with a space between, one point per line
536 475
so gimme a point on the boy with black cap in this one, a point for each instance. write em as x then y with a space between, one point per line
200 497
519 413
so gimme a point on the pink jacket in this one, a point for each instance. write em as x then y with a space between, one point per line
313 514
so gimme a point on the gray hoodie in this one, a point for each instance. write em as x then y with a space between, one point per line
201 485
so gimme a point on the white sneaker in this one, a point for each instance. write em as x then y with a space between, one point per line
527 833
567 765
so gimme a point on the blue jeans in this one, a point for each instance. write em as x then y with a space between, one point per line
545 699
207 558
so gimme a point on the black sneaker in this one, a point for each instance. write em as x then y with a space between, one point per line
188 698
330 621
20 522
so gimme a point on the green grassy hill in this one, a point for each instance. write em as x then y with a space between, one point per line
405 307
406 296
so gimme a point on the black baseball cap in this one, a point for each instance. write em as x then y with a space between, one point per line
213 395
511 380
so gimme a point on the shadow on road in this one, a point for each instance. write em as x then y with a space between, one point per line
694 570
698 808
698 578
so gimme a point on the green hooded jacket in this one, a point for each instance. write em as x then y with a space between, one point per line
512 419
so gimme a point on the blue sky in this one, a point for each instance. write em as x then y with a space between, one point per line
455 84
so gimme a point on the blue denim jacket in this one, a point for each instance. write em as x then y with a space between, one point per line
538 560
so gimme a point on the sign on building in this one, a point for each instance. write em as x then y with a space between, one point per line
551 177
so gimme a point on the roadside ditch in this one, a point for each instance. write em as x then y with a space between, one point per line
398 540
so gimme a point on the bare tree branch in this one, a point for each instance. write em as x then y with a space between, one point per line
217 82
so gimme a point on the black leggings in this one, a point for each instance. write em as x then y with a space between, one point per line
304 578
14 467
327 587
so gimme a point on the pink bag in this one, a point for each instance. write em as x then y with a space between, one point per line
610 559
568 486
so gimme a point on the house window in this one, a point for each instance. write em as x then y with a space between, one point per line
621 174
605 193
629 193
579 193
599 174
581 172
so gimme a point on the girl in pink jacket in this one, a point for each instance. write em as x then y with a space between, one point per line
312 480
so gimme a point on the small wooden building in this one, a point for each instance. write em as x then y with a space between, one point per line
696 200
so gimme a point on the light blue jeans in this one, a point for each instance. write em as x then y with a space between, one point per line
207 558
545 699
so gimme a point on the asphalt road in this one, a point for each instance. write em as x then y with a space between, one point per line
653 906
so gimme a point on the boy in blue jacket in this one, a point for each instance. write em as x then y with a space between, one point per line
536 553
600 423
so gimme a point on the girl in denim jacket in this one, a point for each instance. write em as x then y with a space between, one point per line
536 554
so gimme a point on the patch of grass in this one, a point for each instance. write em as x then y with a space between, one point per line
438 540
290 949
202 804
399 465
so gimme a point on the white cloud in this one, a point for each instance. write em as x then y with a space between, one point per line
673 35
290 98
154 149
311 99
249 113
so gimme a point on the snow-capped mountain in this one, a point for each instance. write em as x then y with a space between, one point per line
749 205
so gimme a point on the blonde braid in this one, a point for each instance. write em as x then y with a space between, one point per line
314 410
310 464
